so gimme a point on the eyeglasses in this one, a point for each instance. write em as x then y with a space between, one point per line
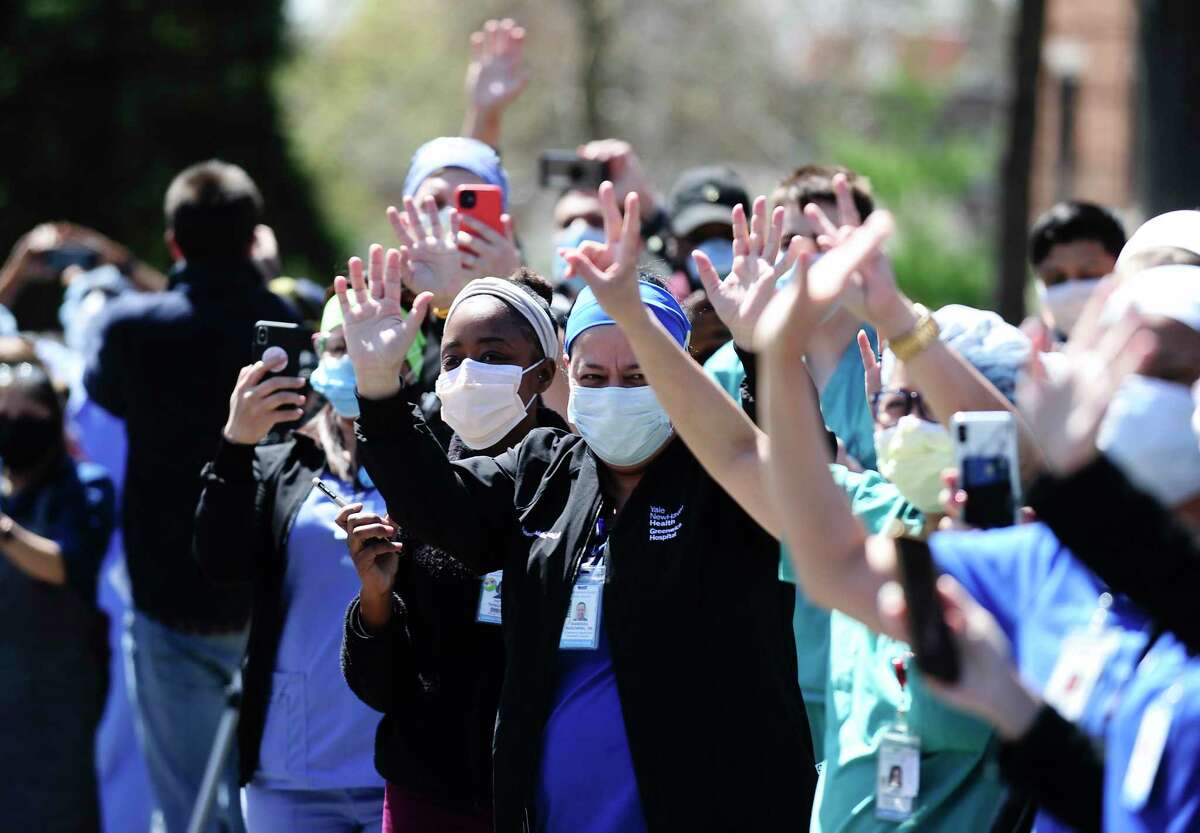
889 405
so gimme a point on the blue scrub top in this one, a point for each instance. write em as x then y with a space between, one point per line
1172 804
1040 594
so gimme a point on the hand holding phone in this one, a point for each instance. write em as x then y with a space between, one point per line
932 642
985 445
565 169
482 203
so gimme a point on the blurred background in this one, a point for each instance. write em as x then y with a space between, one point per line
969 116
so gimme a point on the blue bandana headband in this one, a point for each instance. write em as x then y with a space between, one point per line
455 152
588 313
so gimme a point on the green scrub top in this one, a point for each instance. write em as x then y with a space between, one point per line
844 403
960 785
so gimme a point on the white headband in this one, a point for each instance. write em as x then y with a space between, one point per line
520 300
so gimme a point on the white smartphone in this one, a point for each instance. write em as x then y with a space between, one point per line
985 445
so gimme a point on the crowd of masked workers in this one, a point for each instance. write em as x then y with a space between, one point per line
618 549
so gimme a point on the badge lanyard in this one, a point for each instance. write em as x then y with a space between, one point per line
1148 748
1081 661
898 761
581 628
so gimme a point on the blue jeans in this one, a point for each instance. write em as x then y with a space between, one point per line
313 811
177 682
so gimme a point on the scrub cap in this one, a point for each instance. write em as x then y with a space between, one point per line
455 152
1176 229
332 318
588 313
992 346
1170 291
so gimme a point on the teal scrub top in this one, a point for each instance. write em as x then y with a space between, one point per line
844 403
960 786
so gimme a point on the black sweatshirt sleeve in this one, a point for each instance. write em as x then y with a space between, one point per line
374 665
231 530
463 507
1056 764
1128 539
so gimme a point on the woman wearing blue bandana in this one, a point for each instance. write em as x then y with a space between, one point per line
649 713
304 740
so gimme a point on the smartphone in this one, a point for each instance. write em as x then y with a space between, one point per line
482 203
932 642
563 169
293 339
70 254
985 444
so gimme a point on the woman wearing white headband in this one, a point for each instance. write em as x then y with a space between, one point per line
435 666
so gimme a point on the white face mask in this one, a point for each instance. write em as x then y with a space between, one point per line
480 401
623 426
1147 433
1066 301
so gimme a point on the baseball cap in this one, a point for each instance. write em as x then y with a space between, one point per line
705 195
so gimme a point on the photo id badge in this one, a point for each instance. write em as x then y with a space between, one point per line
489 599
897 774
1080 663
581 630
1148 749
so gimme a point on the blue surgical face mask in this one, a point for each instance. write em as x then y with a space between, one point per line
334 379
622 426
719 251
574 235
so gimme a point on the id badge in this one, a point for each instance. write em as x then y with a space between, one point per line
1080 663
897 774
489 599
1148 749
581 630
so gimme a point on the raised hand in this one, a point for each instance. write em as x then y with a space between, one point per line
378 336
1064 409
496 74
434 260
610 268
491 254
740 298
791 316
872 371
624 168
376 559
257 406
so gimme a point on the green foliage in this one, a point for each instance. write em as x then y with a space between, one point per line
106 100
925 168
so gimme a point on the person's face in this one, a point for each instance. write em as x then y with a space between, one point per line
795 224
17 404
485 329
891 406
580 610
708 231
574 205
601 357
332 344
1079 260
441 185
708 332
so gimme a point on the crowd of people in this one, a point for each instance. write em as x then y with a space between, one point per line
634 546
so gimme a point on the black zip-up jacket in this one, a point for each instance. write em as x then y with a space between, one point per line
166 363
435 673
250 499
698 622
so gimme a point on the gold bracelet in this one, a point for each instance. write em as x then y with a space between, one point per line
925 333
440 313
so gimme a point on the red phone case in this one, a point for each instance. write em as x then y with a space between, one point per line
489 205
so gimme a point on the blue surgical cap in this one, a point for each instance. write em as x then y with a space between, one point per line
588 313
456 152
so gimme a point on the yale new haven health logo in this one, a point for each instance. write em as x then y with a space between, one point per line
664 524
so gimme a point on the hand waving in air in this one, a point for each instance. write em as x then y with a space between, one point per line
378 336
496 74
1065 409
610 268
434 260
740 298
790 318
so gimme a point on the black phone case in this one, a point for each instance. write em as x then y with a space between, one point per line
933 644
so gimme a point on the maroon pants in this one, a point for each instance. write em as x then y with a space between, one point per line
406 812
